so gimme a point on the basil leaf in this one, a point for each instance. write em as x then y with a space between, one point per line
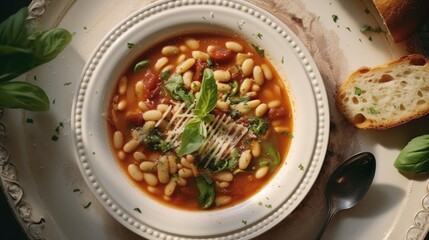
174 85
49 43
13 30
23 95
206 191
414 158
208 98
192 137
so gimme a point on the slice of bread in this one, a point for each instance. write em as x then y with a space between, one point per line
388 95
402 17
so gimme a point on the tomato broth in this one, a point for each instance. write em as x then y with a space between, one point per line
200 121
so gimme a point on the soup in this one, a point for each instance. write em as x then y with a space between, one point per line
200 121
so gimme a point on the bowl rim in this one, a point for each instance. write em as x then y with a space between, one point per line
214 12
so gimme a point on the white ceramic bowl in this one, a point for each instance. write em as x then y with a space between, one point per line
249 218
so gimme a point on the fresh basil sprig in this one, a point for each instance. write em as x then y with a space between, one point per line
195 130
414 157
20 51
206 191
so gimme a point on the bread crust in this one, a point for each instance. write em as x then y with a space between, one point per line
379 88
402 17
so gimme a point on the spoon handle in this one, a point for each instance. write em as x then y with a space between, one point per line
331 212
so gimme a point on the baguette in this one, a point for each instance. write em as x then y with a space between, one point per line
402 17
388 95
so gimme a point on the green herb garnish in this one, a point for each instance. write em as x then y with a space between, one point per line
358 91
259 50
130 45
258 125
369 28
175 86
137 210
141 65
206 191
414 157
22 50
195 131
334 18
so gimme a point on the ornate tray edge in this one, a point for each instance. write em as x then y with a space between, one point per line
12 189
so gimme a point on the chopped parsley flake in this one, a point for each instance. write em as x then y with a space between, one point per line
259 35
282 60
76 190
334 18
34 77
137 210
287 134
260 203
268 206
54 138
85 28
87 205
57 132
348 29
301 167
367 11
54 100
67 83
259 50
369 28
370 38
373 110
358 91
130 45
244 222
30 120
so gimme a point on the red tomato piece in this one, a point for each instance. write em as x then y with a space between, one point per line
219 53
276 113
152 84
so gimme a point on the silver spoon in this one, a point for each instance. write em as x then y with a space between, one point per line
348 185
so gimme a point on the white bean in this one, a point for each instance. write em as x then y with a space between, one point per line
147 166
181 58
160 63
223 184
258 76
139 88
170 50
118 140
185 65
280 129
253 103
255 149
274 104
163 170
195 86
135 172
150 179
152 115
170 187
181 181
185 173
261 110
143 106
200 55
147 126
245 86
131 145
247 67
239 59
122 88
223 87
261 172
268 74
139 156
172 164
185 162
192 43
162 107
242 107
221 105
194 170
187 79
224 176
122 105
234 46
183 48
222 200
222 75
244 160
121 155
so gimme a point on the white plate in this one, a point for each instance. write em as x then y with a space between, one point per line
168 18
48 194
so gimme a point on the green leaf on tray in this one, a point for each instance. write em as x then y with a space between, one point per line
414 158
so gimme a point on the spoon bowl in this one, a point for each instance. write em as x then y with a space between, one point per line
348 184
